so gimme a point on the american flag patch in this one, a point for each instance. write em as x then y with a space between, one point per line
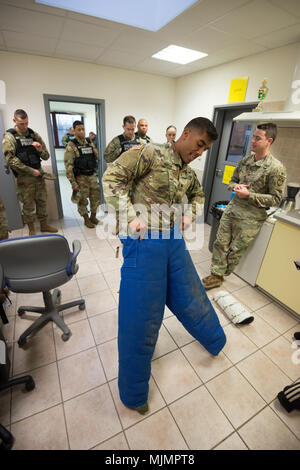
136 147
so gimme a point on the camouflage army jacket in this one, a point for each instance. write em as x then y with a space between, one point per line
9 147
266 178
70 154
113 150
143 140
149 183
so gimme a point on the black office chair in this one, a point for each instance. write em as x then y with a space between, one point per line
38 264
6 438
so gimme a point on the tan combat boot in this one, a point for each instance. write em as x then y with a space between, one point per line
47 228
212 281
87 222
31 228
93 218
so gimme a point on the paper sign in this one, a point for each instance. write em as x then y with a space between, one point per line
238 88
228 172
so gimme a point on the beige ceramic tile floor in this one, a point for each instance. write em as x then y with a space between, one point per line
196 401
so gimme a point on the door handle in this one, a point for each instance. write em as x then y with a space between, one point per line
219 172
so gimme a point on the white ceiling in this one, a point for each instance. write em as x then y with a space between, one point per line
225 29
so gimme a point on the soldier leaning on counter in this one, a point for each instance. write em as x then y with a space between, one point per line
81 162
24 149
258 182
122 142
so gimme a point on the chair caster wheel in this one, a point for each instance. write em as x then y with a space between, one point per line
21 311
82 306
30 385
65 336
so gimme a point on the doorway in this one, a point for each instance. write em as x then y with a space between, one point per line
232 145
61 112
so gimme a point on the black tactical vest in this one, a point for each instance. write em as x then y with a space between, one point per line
86 163
146 138
25 151
127 144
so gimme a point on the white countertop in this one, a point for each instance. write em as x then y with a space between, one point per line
292 217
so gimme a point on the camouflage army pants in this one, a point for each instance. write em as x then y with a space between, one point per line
3 222
33 195
233 238
89 189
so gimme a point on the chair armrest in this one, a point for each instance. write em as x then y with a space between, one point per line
76 250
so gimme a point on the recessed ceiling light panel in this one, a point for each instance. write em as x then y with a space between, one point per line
179 55
151 15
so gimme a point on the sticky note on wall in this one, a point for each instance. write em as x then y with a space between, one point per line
227 175
238 88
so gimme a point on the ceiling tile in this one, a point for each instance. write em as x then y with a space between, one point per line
291 6
225 29
2 43
199 15
96 21
243 49
155 66
76 50
281 37
119 58
210 61
252 19
137 40
207 40
31 5
89 34
29 42
18 19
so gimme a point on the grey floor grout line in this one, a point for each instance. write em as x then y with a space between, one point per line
109 288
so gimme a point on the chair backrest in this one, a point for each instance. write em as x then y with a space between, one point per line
35 264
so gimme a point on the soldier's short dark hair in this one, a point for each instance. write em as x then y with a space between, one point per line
205 125
129 119
270 129
170 128
20 113
77 123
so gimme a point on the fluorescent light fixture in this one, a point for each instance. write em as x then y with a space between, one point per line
179 55
145 14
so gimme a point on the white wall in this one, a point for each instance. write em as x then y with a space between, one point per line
198 93
27 77
159 99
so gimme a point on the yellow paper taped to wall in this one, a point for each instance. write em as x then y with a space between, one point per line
238 88
228 172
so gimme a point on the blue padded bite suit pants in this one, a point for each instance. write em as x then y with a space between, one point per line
155 273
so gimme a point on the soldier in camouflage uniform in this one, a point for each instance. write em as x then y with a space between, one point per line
171 133
258 182
81 162
157 269
23 150
141 133
67 137
122 142
3 222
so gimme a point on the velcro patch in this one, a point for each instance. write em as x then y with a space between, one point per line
136 147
